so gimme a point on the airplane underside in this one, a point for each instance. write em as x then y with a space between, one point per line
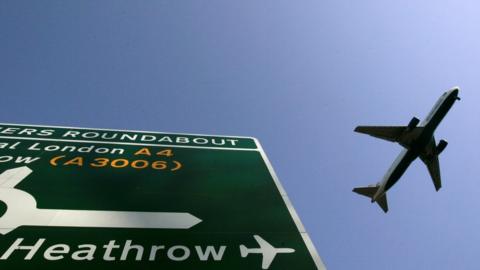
418 141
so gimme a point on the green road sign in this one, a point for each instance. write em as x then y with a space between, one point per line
74 198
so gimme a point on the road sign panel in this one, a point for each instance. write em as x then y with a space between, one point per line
76 198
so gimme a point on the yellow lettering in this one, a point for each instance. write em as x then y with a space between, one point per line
120 163
143 151
100 162
54 161
139 164
159 165
166 152
75 161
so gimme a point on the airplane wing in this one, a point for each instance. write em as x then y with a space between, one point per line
267 250
389 133
432 163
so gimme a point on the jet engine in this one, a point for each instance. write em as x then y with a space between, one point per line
413 123
441 146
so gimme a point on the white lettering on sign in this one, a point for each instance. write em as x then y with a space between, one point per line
129 247
56 252
109 252
18 160
73 134
204 255
71 149
26 131
118 136
178 253
16 245
131 251
85 252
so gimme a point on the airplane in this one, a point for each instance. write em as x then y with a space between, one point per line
417 140
268 251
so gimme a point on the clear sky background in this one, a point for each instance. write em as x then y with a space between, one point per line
298 75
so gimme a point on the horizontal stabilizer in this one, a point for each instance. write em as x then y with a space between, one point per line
389 133
370 192
366 191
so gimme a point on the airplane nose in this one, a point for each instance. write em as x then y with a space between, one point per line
454 92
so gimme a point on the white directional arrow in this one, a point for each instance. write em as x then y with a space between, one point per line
22 211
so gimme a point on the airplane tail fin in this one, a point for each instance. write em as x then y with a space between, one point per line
382 202
370 192
243 251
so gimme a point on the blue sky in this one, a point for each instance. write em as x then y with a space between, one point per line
297 75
